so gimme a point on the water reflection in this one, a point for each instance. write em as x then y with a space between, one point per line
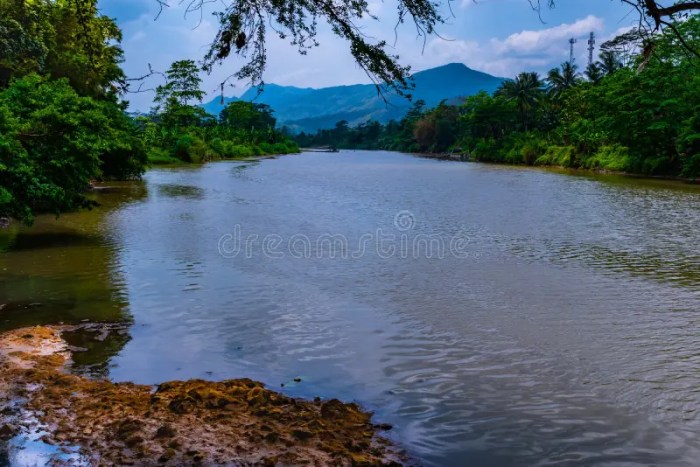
568 334
63 270
185 191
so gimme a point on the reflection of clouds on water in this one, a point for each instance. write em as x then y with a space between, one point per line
568 335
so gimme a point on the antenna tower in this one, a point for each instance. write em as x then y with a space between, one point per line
572 41
591 48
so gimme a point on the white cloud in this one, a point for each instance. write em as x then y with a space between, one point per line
529 50
171 38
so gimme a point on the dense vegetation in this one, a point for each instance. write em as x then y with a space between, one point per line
63 122
634 111
178 128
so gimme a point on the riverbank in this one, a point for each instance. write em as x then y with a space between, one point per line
239 421
459 157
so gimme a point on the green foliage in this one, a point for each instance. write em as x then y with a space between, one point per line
615 158
178 131
54 142
61 125
561 156
182 84
189 148
638 112
247 116
161 156
61 39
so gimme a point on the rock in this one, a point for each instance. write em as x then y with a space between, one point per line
302 434
7 431
333 409
166 431
167 455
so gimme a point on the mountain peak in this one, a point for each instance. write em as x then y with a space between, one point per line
306 109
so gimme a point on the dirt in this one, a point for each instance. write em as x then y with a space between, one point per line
233 422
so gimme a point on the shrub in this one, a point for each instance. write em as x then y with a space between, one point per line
190 148
691 166
53 142
279 148
562 156
242 151
615 158
158 156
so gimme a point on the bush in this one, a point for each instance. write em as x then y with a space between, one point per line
54 142
562 156
691 166
158 156
279 148
190 148
615 158
487 150
266 148
242 151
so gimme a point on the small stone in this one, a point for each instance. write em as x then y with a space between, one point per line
297 380
167 455
7 431
166 431
302 434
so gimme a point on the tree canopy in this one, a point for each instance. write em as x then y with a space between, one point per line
622 117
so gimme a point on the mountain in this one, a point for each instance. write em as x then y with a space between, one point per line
307 109
215 106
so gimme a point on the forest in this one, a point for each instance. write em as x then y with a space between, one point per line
636 109
63 113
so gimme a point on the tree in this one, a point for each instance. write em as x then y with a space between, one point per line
247 116
526 91
20 51
53 142
594 73
182 84
609 62
559 81
61 39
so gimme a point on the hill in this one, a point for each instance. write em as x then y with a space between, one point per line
307 109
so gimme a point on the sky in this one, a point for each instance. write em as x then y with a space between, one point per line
500 37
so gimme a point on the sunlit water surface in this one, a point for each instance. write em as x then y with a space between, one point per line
509 316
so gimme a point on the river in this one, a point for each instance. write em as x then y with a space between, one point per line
494 315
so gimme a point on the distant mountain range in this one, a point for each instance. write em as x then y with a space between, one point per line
306 109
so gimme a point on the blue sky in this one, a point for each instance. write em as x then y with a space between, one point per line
501 37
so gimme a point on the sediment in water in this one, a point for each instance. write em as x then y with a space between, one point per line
230 422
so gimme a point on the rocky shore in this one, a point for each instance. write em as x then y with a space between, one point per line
234 422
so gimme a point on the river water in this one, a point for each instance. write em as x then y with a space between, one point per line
494 315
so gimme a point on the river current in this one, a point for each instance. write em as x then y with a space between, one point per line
494 315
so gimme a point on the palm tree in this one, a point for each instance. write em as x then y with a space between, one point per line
560 81
610 62
594 73
526 91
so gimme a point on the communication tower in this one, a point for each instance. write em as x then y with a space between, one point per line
572 41
591 48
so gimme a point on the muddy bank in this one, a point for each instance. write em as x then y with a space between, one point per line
176 423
